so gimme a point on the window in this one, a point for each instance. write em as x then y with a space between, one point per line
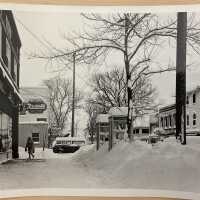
187 100
41 119
8 56
145 130
161 120
174 119
194 98
36 137
170 120
166 122
194 119
187 120
78 142
5 132
15 71
136 131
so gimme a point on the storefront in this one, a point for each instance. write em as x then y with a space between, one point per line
10 98
8 126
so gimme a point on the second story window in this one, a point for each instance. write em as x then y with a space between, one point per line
161 121
187 100
194 119
166 122
170 120
8 56
194 98
15 71
188 120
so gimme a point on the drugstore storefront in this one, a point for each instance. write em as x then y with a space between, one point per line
9 104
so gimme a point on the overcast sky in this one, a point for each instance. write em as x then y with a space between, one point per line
51 26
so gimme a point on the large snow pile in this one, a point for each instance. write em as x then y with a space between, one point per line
166 165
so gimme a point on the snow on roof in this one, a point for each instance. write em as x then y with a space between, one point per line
142 121
193 89
102 118
118 111
33 122
69 138
34 93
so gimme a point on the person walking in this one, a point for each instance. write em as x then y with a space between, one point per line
30 148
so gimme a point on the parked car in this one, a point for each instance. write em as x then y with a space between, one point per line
67 144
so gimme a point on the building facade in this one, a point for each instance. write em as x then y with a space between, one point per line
167 114
33 121
10 98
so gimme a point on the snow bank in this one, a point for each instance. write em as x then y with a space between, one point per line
166 165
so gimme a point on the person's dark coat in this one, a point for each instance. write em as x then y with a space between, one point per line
30 146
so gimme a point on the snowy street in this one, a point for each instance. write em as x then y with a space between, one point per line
167 165
47 170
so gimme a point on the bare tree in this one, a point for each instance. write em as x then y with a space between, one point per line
92 110
60 100
110 90
134 36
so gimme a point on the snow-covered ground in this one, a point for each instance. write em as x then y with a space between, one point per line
167 165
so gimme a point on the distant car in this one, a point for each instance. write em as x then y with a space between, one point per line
154 139
67 144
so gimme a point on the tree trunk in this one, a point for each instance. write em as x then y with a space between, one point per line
128 77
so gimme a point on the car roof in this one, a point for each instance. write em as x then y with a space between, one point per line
70 138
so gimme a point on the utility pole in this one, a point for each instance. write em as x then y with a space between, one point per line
73 98
181 77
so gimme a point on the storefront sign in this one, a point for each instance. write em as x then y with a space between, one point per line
37 107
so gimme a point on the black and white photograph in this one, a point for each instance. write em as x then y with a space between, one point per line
100 99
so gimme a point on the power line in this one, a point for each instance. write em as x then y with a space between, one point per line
46 46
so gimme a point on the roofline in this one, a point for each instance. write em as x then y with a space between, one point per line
167 108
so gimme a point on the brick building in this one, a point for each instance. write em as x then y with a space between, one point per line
10 98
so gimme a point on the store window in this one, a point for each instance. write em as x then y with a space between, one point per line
36 138
5 132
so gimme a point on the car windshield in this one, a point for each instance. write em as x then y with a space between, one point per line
78 142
